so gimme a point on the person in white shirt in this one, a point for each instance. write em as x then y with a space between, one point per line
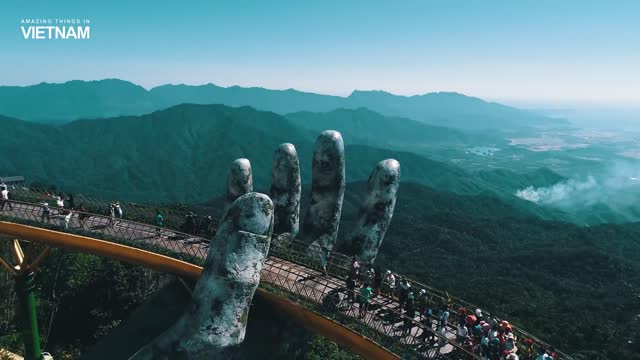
66 219
59 202
389 283
5 199
463 333
46 213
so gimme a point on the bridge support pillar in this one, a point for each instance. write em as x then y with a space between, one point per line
31 335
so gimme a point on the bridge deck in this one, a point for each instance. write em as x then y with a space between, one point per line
383 316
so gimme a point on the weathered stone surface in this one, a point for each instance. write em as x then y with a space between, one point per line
239 180
322 218
285 190
216 320
375 213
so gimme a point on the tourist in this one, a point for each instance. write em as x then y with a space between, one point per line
510 344
542 354
351 288
59 202
479 316
355 269
462 334
112 214
389 283
444 316
484 347
46 213
159 222
409 305
410 313
82 216
5 198
365 295
324 259
377 281
422 301
65 218
118 211
404 291
71 202
370 276
527 351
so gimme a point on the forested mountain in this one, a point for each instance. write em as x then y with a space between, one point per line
60 103
576 287
106 98
365 127
186 150
465 232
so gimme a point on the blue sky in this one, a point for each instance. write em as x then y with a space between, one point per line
527 51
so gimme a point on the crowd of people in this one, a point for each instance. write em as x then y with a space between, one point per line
65 208
59 206
488 337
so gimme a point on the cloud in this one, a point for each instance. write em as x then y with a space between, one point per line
617 186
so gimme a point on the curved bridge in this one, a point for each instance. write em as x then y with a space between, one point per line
289 280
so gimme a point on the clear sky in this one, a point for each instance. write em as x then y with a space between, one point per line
538 51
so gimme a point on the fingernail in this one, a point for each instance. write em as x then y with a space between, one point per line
253 213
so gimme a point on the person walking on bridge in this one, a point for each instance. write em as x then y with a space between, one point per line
422 303
377 281
112 214
355 268
365 295
405 287
159 222
65 218
389 284
59 201
71 202
46 213
82 216
351 289
118 211
5 199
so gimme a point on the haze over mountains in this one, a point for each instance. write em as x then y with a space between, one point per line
60 103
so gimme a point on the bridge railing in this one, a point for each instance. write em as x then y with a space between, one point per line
408 337
109 228
339 265
174 218
195 249
144 235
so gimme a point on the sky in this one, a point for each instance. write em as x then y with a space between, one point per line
536 52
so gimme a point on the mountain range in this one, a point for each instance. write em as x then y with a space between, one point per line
186 150
60 103
459 230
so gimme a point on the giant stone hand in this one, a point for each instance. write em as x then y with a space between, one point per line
216 320
322 217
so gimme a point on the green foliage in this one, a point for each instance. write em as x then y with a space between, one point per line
321 349
574 287
81 298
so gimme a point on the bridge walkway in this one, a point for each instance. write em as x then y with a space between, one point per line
287 268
